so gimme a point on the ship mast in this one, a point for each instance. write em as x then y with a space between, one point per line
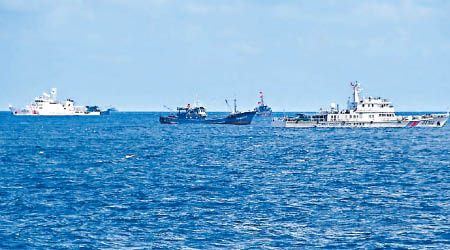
356 90
262 98
54 94
228 105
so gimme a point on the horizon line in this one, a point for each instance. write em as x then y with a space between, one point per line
227 111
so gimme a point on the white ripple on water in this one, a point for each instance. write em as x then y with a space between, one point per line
226 187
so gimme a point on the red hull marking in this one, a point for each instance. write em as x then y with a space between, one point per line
414 124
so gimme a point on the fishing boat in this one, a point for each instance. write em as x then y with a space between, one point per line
362 113
262 109
198 114
108 111
47 105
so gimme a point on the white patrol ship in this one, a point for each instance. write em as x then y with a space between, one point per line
366 112
47 105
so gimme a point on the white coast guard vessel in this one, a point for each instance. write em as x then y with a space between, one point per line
47 105
362 112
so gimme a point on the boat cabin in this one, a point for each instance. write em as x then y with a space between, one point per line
192 113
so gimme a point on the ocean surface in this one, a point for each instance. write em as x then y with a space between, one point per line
126 182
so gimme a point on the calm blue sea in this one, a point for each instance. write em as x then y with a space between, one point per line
126 182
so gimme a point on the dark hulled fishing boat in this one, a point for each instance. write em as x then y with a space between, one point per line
199 115
109 111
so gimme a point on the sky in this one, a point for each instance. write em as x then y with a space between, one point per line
139 55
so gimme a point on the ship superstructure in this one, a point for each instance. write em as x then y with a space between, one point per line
362 112
47 105
262 109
